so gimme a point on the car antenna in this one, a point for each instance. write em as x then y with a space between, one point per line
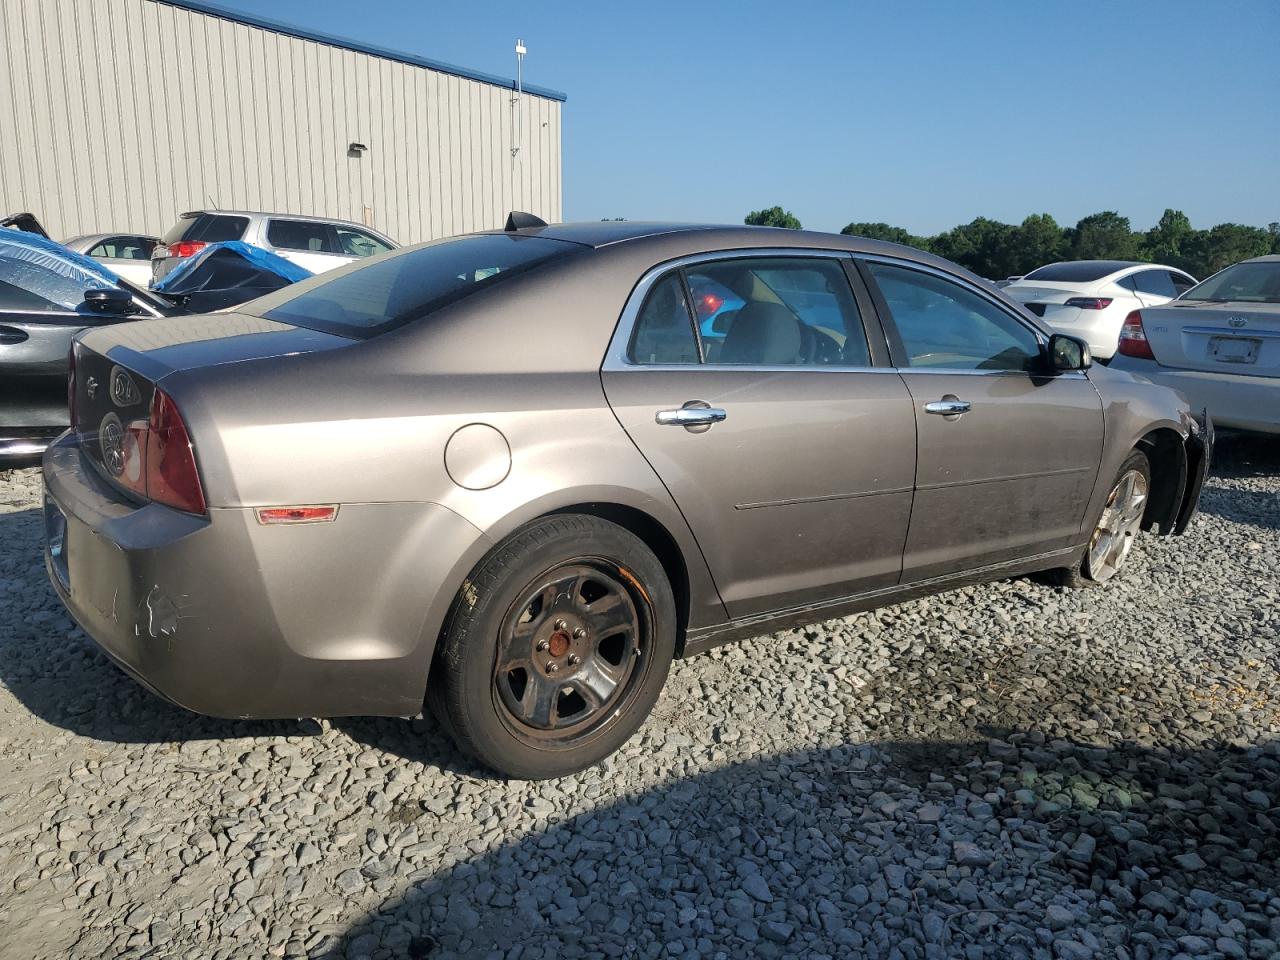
518 220
212 202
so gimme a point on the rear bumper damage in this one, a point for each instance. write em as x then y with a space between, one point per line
227 617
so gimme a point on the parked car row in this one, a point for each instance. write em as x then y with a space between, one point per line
1216 341
49 293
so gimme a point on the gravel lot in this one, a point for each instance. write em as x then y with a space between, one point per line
1005 771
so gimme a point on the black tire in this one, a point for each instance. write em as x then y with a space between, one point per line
1079 575
478 703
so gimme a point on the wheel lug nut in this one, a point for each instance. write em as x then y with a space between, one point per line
574 659
579 633
542 646
552 667
560 624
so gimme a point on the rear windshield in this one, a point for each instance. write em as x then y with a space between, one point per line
395 289
209 227
1244 282
1078 271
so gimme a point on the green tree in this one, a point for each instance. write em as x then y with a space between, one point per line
984 246
773 217
1169 240
1104 236
1227 243
883 231
1033 243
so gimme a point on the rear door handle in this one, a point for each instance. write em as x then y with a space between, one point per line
948 406
695 413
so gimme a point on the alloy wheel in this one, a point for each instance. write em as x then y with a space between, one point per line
1121 518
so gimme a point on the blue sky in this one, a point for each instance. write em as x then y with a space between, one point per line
923 115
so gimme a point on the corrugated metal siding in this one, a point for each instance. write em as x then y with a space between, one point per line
120 114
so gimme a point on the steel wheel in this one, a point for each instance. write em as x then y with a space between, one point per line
568 650
1121 518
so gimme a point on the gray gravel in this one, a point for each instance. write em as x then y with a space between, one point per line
1006 771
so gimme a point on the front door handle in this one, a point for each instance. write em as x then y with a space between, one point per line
695 413
949 406
12 335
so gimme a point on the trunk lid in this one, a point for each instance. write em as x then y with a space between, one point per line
1239 338
117 369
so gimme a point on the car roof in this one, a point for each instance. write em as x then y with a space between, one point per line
1265 258
608 232
92 238
282 216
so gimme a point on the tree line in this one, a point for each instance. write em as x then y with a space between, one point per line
993 249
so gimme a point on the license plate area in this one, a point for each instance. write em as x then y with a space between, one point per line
1234 349
55 532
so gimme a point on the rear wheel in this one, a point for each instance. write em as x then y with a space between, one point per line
556 649
1117 528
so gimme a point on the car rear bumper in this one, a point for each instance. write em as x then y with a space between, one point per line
227 617
1238 402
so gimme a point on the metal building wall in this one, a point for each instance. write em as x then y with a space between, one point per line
120 114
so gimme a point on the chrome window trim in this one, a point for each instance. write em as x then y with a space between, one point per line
616 357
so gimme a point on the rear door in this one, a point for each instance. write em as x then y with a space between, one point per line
1007 455
311 244
783 435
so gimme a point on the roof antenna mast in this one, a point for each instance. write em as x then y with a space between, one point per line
521 50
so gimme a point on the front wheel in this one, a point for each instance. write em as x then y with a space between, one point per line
1117 528
556 648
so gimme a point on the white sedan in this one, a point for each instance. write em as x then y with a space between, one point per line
1089 299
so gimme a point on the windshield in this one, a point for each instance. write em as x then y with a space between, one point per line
1249 282
396 288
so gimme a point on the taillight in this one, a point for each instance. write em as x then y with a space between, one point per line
1089 303
1133 338
172 478
185 248
71 384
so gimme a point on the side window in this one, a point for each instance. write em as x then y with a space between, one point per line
664 328
15 299
1181 282
357 243
944 325
305 235
32 287
124 248
777 311
1155 282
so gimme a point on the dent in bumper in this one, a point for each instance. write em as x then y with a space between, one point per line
226 617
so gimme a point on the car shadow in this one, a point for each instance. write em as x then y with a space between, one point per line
1245 455
922 841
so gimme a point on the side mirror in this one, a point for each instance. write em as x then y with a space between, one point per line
109 300
1068 353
